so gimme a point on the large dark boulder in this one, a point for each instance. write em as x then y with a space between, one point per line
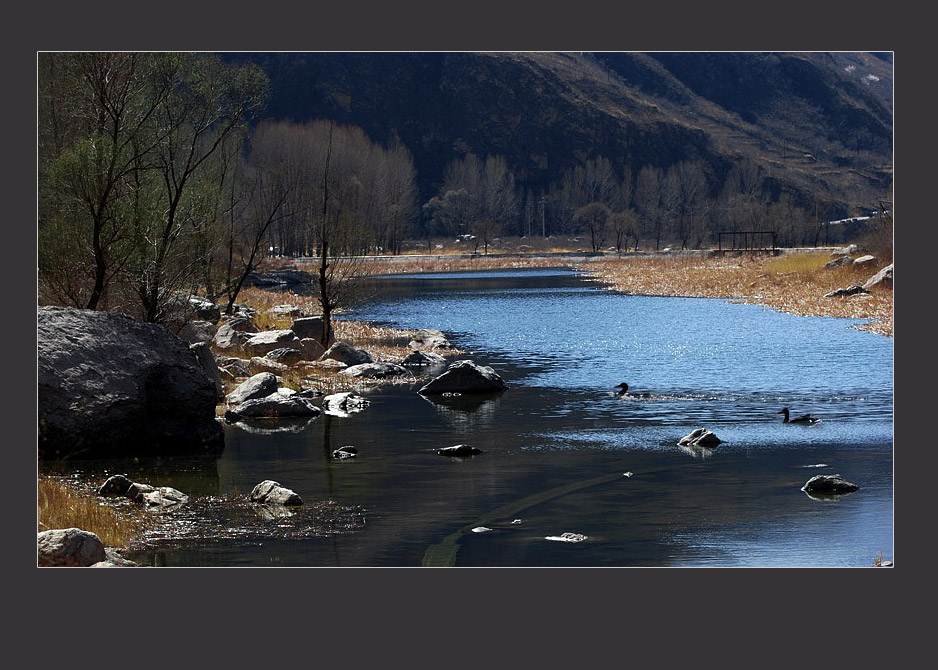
465 376
109 385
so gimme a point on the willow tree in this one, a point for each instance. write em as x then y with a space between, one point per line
95 131
127 181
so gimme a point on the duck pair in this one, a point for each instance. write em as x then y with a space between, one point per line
805 419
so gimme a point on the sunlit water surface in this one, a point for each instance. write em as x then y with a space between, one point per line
560 452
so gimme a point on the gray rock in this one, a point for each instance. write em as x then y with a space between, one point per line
207 362
374 370
465 376
259 364
204 310
236 367
459 450
69 547
197 331
846 292
418 358
837 262
346 353
112 559
864 260
229 337
272 493
428 338
882 278
277 405
286 355
156 496
242 321
312 349
700 437
260 385
260 343
109 385
829 484
308 327
117 485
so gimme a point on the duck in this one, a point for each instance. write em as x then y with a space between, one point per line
804 418
624 391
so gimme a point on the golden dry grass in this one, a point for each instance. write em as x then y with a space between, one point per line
60 505
792 283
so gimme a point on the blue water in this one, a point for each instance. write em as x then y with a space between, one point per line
556 446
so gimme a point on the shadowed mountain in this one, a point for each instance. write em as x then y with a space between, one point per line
819 124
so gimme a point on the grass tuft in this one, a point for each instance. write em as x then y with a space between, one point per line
60 505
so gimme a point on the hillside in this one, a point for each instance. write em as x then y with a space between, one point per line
819 124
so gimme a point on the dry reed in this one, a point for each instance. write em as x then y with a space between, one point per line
61 505
792 283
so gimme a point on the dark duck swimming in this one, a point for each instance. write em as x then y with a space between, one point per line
624 392
805 419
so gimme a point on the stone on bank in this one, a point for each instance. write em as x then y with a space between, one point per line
109 385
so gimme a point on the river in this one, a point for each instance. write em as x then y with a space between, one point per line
560 452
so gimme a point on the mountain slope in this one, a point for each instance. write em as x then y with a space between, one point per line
819 124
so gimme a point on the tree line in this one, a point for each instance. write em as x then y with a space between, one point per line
156 179
683 205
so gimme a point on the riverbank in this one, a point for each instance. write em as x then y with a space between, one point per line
795 283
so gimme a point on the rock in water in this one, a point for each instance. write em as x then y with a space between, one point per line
829 484
270 492
700 437
260 385
109 385
465 376
459 450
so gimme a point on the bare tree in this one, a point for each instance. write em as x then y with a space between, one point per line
593 218
648 200
684 192
624 228
258 200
